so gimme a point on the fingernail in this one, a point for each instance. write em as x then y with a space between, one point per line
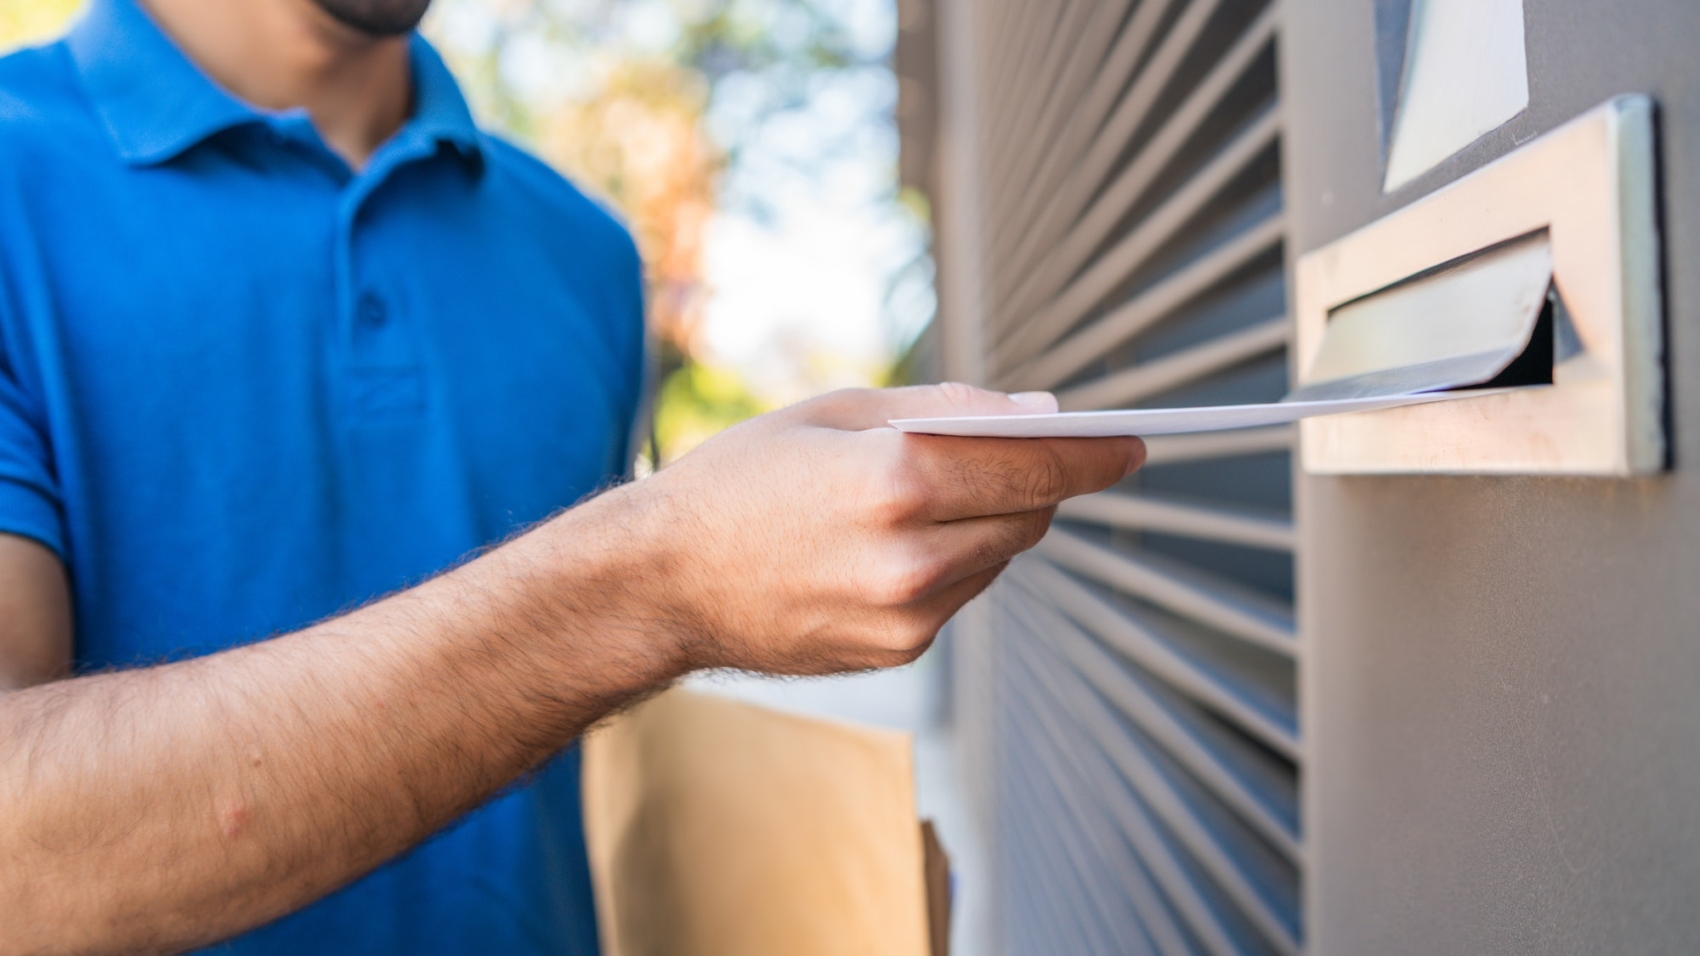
1042 401
1136 459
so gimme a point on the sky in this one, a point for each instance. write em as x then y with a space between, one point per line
813 265
817 274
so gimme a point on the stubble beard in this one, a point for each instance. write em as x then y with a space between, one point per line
377 18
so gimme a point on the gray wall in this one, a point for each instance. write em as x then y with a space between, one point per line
1502 675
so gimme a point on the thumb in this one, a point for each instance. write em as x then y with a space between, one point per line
873 408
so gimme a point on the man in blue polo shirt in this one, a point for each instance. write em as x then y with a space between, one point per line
281 332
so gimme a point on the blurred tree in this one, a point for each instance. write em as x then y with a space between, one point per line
616 94
697 401
639 140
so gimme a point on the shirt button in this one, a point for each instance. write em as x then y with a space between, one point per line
371 311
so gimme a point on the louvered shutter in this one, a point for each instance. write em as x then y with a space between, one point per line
1108 181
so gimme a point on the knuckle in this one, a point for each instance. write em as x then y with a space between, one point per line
900 491
1047 480
915 648
1035 527
901 499
840 397
901 578
1015 534
846 408
906 637
957 393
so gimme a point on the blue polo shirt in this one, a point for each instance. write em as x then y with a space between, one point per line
243 387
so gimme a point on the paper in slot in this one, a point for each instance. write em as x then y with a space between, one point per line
1483 325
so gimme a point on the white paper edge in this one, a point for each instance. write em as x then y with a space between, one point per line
1164 421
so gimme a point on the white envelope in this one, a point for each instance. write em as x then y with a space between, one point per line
1165 421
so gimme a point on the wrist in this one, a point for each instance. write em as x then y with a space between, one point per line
609 589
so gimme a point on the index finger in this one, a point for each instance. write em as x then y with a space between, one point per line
858 409
977 477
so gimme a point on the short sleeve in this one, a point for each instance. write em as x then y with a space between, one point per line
637 358
29 490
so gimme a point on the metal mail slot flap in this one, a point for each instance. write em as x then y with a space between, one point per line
1457 326
1447 287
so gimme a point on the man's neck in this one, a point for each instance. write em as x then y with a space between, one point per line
283 54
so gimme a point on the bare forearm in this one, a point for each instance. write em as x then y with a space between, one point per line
186 802
162 808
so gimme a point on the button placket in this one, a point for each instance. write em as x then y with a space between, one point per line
385 375
370 310
386 380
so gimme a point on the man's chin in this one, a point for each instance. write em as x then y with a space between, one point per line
377 18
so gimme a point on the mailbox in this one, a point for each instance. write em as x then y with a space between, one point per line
1540 272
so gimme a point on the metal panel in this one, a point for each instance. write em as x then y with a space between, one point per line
1501 674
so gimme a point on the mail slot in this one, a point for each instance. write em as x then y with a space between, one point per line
1540 273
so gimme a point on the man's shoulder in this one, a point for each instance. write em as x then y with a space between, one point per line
46 121
553 194
40 96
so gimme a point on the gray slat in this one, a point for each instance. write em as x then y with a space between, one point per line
1064 98
1176 449
1133 182
1217 686
1159 929
1062 208
1188 519
1211 758
1191 901
1140 382
1087 120
1210 600
1172 823
1216 849
1161 226
1099 916
1129 319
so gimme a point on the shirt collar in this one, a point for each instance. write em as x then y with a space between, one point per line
440 112
156 104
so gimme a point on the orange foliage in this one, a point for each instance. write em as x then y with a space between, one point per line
638 138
